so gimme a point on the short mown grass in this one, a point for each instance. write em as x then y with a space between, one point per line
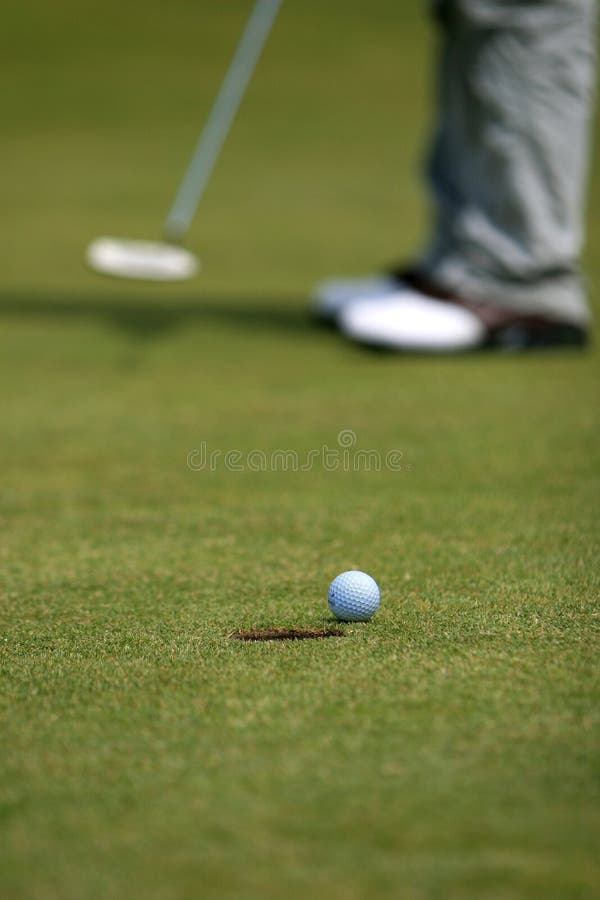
447 749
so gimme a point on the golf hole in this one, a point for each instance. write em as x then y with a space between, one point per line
285 634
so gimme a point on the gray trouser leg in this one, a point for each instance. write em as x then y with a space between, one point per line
509 159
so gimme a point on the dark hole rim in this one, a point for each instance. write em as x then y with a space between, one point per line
285 634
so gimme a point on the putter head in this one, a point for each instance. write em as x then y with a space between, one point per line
141 260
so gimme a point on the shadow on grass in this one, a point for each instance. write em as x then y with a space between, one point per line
148 318
145 317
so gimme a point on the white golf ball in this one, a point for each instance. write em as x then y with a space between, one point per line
353 596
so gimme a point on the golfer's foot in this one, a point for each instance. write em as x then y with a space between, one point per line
417 316
329 297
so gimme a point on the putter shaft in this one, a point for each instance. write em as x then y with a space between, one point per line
221 116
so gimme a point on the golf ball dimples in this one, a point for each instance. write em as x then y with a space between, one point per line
353 596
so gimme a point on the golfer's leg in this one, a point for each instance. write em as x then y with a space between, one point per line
508 163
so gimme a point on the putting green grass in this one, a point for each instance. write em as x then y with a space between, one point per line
447 749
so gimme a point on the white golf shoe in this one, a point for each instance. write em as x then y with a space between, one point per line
418 316
408 320
403 310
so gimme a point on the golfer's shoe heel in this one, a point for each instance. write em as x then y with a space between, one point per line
537 336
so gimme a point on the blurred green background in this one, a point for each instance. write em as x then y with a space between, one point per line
449 749
106 102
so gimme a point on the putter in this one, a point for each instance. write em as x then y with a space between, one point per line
166 260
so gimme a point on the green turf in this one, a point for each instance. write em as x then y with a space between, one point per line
449 748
